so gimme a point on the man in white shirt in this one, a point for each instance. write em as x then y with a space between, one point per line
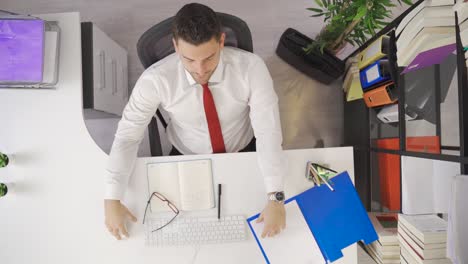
217 99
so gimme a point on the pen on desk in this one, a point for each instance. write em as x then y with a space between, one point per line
219 200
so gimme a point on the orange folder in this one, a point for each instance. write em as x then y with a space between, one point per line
389 166
389 172
427 144
382 95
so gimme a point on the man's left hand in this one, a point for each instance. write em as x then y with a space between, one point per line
274 217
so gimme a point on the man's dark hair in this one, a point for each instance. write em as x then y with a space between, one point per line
196 24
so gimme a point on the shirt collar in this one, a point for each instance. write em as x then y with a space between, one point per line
190 79
216 77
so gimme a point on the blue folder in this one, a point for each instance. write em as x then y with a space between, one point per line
337 219
374 74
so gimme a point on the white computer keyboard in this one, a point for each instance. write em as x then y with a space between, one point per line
195 230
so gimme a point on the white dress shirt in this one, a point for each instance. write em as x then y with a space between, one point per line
246 104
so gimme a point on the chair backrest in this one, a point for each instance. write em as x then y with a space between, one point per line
156 43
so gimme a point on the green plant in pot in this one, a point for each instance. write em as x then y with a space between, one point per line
4 160
3 189
350 22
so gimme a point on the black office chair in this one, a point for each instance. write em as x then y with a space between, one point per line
156 43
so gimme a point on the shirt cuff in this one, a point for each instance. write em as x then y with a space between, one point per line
113 191
274 184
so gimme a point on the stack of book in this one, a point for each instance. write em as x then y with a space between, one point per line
429 25
423 239
386 250
351 83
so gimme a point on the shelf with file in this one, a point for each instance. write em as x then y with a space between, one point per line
370 137
445 92
445 85
426 136
378 128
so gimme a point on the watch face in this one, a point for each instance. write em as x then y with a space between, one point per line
279 196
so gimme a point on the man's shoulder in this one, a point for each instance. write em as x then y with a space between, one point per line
168 64
239 57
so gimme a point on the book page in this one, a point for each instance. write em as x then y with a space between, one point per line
296 242
426 223
163 178
457 233
196 185
417 181
444 175
386 226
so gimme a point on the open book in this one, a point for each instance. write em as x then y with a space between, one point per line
187 184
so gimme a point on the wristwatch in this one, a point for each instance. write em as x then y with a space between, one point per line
276 197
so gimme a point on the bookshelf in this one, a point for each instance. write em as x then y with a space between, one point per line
440 133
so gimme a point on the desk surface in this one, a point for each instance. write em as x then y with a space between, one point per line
55 212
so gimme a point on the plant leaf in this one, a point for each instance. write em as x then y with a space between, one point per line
362 11
317 10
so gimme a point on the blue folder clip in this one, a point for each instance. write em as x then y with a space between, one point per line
337 219
374 74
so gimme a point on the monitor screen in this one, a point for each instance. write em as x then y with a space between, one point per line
21 50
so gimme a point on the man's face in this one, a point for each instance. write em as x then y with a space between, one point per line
200 61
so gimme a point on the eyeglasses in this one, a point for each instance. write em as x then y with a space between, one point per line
169 203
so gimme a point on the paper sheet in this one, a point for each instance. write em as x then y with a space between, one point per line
457 233
187 184
426 185
417 190
295 244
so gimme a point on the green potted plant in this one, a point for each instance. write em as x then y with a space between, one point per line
4 160
350 21
346 21
3 189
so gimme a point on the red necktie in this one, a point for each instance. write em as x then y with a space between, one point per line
216 135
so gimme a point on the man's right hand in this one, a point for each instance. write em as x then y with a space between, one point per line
116 215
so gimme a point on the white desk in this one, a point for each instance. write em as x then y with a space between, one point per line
55 214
